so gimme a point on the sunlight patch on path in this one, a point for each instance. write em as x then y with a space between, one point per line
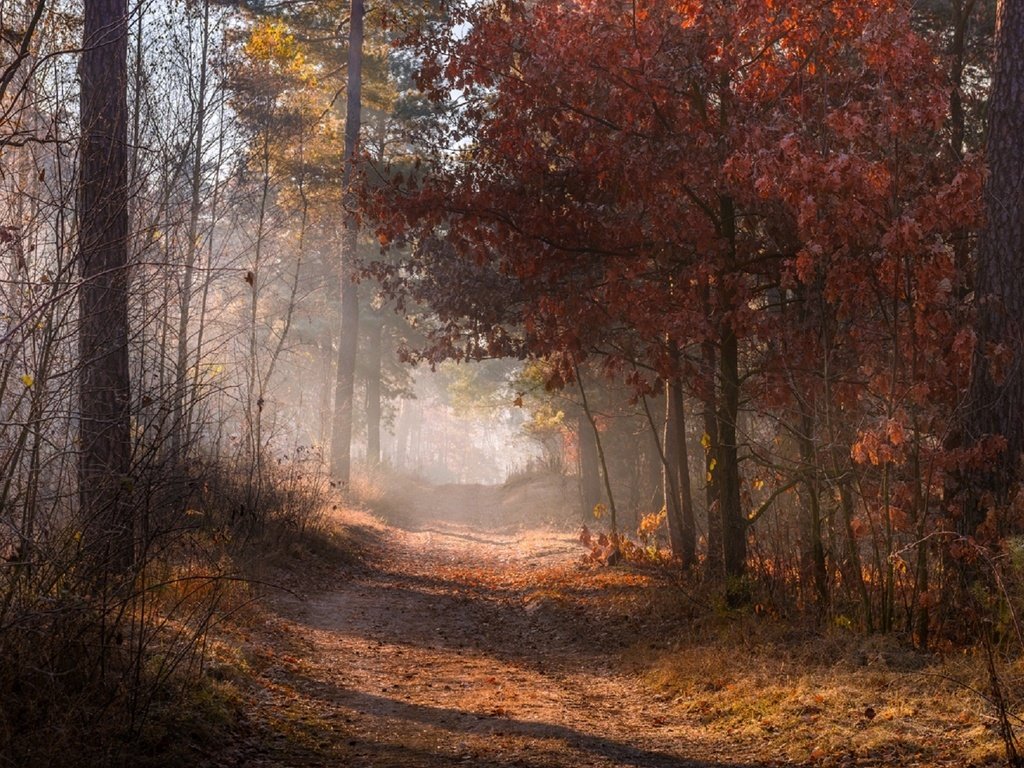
465 646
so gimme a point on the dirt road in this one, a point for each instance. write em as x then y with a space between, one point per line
459 645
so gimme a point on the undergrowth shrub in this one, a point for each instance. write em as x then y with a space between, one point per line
92 656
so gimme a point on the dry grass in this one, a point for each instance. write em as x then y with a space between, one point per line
153 675
211 716
832 698
837 699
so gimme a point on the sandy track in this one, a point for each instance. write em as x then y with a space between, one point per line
463 646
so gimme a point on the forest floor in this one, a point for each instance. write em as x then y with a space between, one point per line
468 639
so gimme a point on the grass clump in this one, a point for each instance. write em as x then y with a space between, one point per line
830 699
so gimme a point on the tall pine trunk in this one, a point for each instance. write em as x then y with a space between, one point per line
341 438
996 397
104 392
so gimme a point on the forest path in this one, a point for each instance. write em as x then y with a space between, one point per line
462 645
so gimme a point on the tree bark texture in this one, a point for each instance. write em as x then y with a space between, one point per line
996 398
105 437
341 440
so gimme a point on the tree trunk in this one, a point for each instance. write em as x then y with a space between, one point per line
341 439
856 567
590 473
678 497
813 554
104 482
254 399
727 474
374 357
180 428
710 444
962 11
996 397
326 390
348 343
194 394
670 475
612 511
727 471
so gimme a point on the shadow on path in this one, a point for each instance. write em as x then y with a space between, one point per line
461 645
456 721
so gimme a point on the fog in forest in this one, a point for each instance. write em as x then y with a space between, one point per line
521 382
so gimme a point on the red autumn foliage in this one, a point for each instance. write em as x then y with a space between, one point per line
765 180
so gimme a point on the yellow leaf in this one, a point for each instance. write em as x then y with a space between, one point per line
758 484
27 380
712 465
705 440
